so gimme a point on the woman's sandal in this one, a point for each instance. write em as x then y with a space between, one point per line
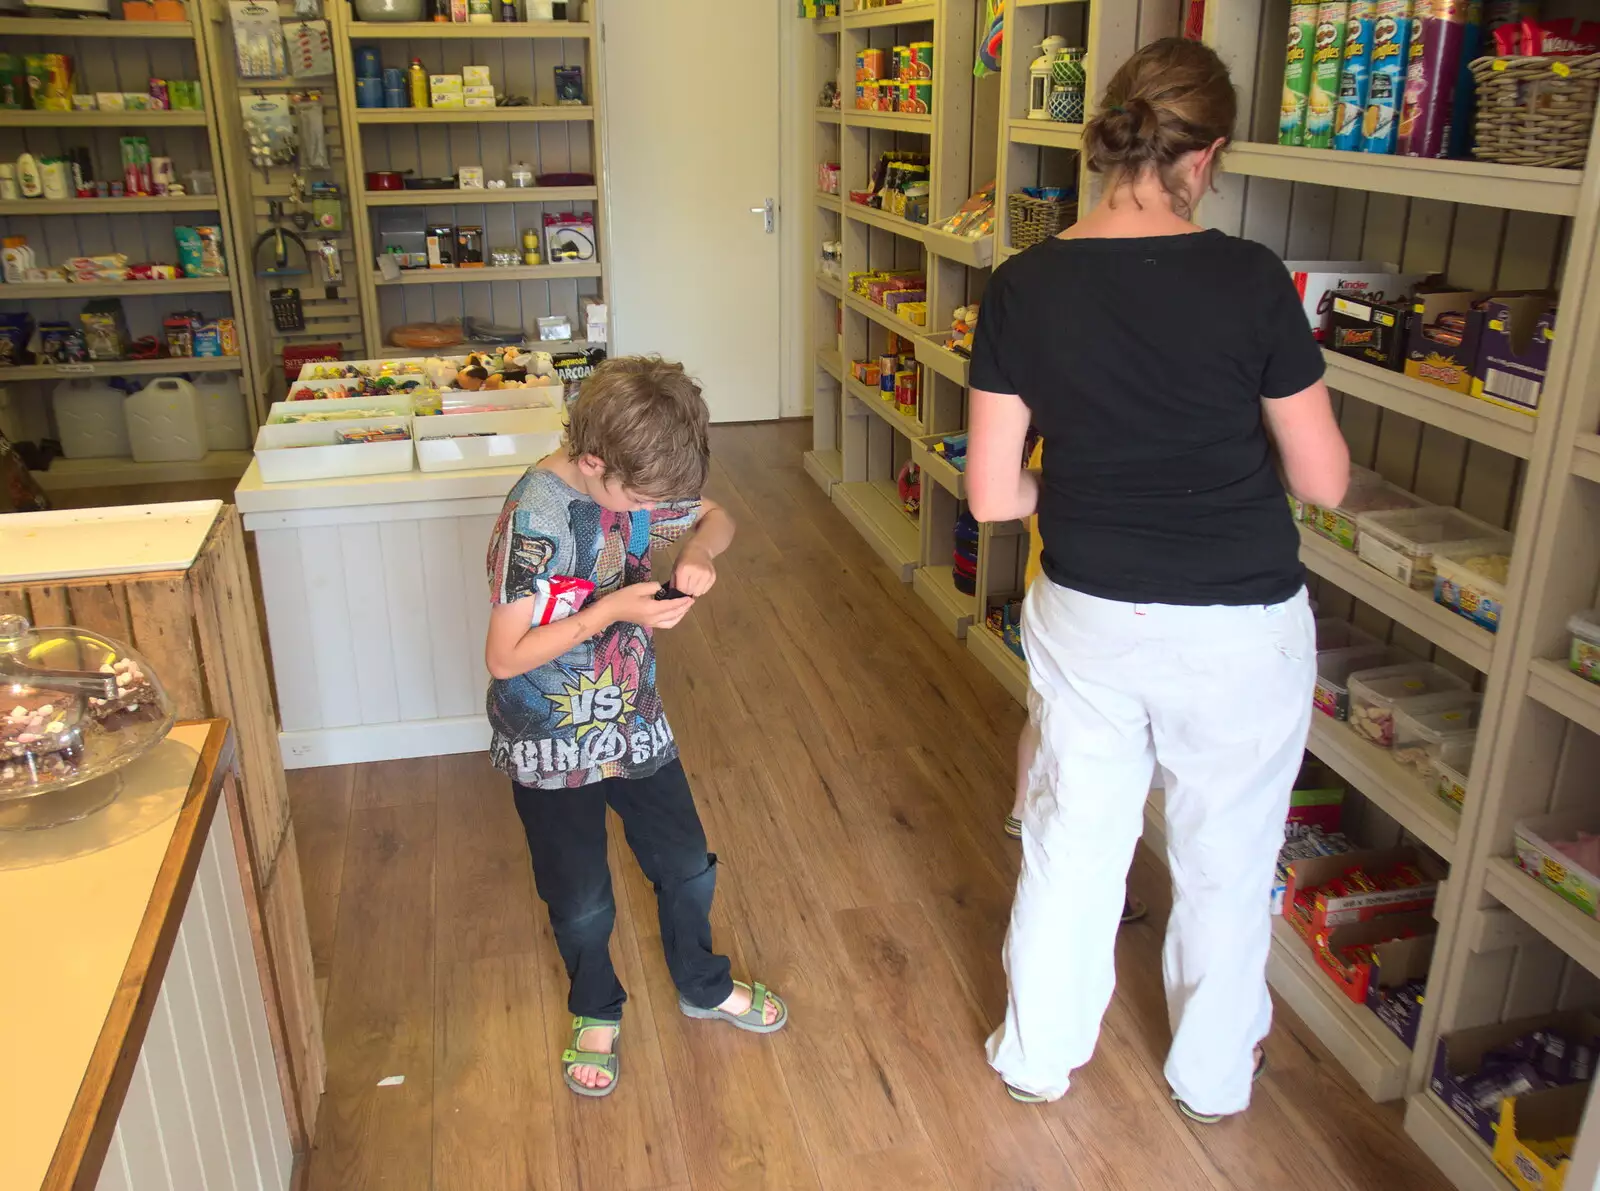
609 1063
1013 827
1212 1118
752 1019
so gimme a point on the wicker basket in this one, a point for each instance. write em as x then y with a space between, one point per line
1034 219
1536 111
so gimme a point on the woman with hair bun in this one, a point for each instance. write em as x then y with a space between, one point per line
1162 364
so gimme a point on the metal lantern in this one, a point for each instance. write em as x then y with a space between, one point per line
1039 81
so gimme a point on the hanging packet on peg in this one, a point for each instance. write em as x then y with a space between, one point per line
309 119
310 49
258 40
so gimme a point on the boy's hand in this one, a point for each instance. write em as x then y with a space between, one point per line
637 604
695 573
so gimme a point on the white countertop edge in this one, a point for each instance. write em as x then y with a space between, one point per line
403 487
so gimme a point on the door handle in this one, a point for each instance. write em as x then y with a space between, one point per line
768 211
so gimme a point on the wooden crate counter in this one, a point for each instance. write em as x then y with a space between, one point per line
172 580
136 970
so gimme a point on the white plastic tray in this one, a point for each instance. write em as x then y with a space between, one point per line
311 451
505 439
391 407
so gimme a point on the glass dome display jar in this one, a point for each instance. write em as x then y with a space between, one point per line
75 708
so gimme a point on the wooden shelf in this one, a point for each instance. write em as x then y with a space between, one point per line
1044 3
1049 134
1516 188
1558 688
895 121
464 198
166 366
826 26
889 223
828 115
1458 1152
831 286
525 115
110 206
504 273
828 202
1568 927
102 289
1372 1054
1586 457
910 427
893 14
447 31
65 474
1397 791
882 522
1481 421
937 587
889 322
163 30
1008 669
935 467
831 363
976 252
948 364
1414 609
825 467
105 120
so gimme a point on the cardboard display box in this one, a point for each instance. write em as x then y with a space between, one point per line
1535 1134
1399 962
1393 953
1369 330
1450 366
1514 353
1459 1056
1347 910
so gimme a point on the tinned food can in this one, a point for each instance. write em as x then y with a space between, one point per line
918 97
902 62
921 59
889 92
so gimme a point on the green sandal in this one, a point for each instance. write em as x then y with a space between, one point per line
752 1018
1013 827
573 1057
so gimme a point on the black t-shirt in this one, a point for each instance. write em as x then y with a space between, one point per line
1143 363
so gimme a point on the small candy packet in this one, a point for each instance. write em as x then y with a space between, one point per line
558 597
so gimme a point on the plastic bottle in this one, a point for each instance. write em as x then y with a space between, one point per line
530 247
28 180
417 83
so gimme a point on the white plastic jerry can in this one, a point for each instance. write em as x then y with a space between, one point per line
165 424
89 419
222 411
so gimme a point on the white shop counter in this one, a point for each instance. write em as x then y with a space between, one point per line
377 604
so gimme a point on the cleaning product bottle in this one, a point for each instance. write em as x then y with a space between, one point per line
28 179
417 84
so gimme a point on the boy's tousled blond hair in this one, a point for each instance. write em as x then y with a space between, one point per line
645 419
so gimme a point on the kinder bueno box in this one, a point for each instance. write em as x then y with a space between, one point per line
1514 352
1317 281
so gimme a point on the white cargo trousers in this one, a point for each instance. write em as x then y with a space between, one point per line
1217 700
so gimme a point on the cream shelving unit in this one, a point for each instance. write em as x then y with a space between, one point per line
123 55
550 138
1507 947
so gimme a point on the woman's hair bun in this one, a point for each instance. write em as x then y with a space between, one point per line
1172 97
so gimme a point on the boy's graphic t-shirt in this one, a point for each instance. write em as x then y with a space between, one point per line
594 712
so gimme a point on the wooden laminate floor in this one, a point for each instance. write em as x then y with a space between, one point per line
853 765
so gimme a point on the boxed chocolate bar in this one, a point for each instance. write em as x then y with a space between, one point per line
1442 340
1533 1145
1475 1069
1514 352
1368 329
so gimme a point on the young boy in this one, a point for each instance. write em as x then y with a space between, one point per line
1028 742
577 721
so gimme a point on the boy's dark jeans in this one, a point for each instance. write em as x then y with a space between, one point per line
567 840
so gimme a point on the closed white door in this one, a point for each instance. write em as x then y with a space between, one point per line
692 134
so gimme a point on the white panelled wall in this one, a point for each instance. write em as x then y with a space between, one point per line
204 1110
